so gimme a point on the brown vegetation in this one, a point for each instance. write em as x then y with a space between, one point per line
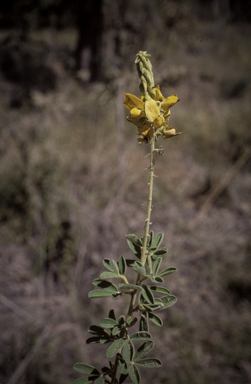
73 183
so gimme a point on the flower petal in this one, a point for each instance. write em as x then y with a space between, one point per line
132 101
151 110
168 133
156 94
137 112
169 102
139 121
159 121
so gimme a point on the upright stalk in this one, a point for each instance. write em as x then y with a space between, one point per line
147 222
149 201
151 115
146 235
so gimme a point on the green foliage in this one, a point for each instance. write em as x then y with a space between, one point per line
147 299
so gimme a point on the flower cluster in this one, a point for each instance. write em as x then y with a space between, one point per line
151 113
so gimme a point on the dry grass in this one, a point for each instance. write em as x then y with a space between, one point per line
73 186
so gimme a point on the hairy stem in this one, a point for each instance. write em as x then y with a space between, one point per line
147 223
146 235
149 202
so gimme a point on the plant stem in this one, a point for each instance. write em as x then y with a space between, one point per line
146 234
115 368
147 222
149 202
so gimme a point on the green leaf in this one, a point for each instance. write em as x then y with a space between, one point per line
129 286
150 239
147 294
135 249
150 278
144 349
161 252
106 263
161 290
134 374
85 368
155 319
99 380
149 264
130 262
123 376
114 266
115 347
98 340
167 301
116 331
140 336
98 293
107 285
156 266
135 244
108 275
138 267
149 363
167 271
158 239
158 279
128 350
152 307
134 239
143 325
108 323
122 320
132 322
122 265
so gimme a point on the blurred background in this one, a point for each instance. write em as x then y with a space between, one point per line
73 181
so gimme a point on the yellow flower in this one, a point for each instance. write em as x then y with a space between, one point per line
156 94
169 102
168 133
145 133
136 112
159 121
151 110
152 115
132 101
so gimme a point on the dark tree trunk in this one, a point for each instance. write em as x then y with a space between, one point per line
89 44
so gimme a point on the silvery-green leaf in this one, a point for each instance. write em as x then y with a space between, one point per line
144 349
99 293
167 271
86 368
122 265
115 347
108 323
149 363
158 239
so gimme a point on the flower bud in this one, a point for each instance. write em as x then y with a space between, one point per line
144 68
149 78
